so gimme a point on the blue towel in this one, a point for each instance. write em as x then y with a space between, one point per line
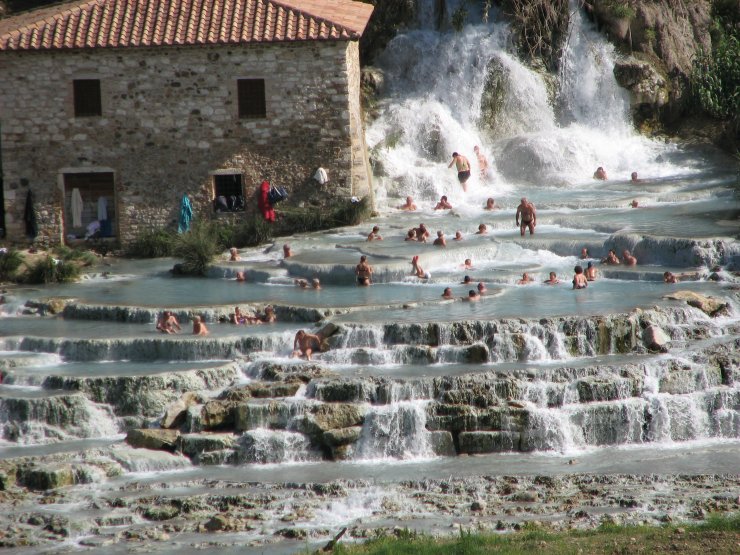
186 215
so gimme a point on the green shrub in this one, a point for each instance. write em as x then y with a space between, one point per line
253 232
152 244
622 10
51 270
84 257
10 261
716 78
197 248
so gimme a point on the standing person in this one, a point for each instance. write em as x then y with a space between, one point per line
528 216
263 202
364 272
287 251
463 169
482 162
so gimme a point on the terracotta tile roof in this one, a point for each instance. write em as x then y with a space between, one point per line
121 23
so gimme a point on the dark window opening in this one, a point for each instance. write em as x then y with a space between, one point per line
251 94
228 193
87 97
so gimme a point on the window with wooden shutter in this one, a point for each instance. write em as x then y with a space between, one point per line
87 97
251 98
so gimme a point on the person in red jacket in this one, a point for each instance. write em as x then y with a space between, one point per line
263 202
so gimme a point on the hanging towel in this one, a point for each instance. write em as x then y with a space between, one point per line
76 208
263 202
321 176
102 209
186 214
29 216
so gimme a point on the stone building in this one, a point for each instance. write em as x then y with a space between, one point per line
111 110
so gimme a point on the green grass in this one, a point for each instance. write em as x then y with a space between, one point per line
10 262
719 533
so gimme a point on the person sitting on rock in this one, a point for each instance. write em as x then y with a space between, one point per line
440 241
168 323
628 259
237 317
375 234
443 204
600 174
669 277
526 279
234 255
553 279
304 344
199 327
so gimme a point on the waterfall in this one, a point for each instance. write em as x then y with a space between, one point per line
449 91
395 431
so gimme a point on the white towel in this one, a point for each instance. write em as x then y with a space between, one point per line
321 176
102 209
76 208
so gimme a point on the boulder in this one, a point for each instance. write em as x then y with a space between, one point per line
218 414
196 444
341 436
708 305
174 415
161 440
261 390
47 476
655 338
220 523
330 417
650 91
476 354
488 442
442 444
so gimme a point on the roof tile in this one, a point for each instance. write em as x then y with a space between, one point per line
126 23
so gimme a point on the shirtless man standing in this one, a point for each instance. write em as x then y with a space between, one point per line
528 216
463 169
482 162
364 272
304 344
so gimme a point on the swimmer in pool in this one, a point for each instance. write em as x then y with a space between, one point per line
579 280
440 241
553 279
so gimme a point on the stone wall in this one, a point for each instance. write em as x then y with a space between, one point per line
170 119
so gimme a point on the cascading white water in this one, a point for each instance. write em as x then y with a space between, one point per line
397 430
438 81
